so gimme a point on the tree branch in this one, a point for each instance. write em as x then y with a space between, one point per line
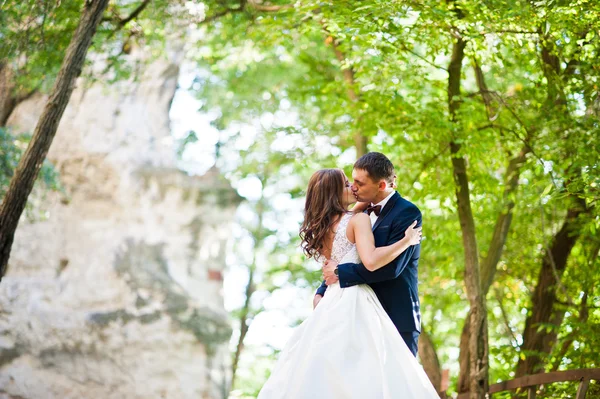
426 163
514 341
269 8
360 140
121 22
221 14
529 133
405 47
501 228
483 90
514 31
511 183
243 7
135 13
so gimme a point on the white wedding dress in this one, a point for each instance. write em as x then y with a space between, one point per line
348 348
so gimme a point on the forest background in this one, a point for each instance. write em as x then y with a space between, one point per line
489 111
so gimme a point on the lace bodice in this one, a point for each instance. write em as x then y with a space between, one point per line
342 249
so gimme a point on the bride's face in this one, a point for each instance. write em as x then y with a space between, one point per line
348 196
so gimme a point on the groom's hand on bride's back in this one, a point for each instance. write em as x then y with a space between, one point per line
329 272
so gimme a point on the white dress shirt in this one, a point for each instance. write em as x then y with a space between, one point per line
382 203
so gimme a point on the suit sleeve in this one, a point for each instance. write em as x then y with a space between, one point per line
321 290
356 273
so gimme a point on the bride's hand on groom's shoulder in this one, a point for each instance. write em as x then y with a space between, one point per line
360 207
413 234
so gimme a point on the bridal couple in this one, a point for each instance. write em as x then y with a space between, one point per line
361 340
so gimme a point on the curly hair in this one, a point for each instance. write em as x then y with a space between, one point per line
323 208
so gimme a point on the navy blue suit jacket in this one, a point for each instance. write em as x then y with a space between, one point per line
396 284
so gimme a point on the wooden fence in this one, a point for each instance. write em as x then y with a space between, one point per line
531 382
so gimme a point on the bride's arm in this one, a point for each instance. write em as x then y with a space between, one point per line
374 258
360 207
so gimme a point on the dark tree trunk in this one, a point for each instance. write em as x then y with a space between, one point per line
9 97
360 140
464 357
7 100
29 166
430 362
536 344
544 298
490 262
477 331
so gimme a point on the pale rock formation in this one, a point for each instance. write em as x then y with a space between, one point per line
117 291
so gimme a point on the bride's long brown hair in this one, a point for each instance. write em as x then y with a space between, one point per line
323 208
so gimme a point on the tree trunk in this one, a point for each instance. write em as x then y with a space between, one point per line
464 357
556 98
477 331
536 340
9 98
244 325
45 130
537 343
490 262
360 140
430 362
258 236
511 182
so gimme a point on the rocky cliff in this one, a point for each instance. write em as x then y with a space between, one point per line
115 291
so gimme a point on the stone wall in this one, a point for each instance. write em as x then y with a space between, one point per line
116 291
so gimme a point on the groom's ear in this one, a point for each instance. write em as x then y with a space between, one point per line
382 185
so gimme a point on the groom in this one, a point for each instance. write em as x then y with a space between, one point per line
396 283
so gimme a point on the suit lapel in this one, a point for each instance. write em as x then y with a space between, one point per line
386 209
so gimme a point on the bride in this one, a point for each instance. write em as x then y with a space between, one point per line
348 347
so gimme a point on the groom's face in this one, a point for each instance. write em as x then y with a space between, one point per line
364 188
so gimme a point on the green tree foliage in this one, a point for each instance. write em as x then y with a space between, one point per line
530 99
11 149
320 78
35 35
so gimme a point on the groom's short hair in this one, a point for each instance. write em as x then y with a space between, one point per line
377 165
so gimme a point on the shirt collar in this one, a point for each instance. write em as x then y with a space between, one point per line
385 200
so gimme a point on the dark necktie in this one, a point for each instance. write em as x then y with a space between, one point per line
376 209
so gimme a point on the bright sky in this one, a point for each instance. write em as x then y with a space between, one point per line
271 327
